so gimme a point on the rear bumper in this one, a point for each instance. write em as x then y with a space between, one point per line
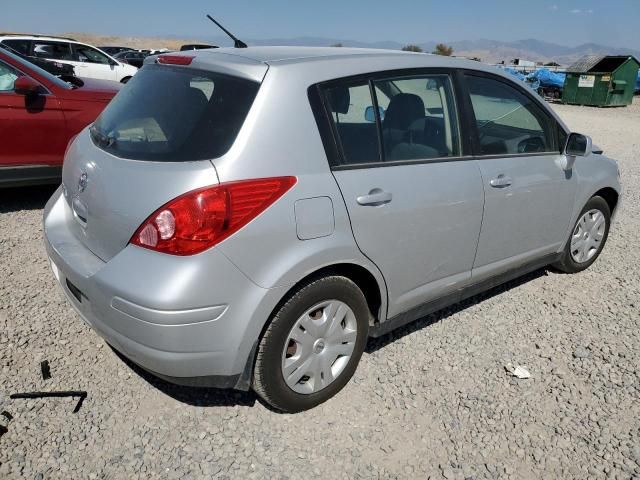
191 320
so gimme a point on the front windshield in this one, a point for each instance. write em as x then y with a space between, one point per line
36 69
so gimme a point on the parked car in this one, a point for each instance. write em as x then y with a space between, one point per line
256 233
55 68
39 114
88 61
115 50
133 57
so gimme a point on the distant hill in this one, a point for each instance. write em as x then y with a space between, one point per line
531 49
489 51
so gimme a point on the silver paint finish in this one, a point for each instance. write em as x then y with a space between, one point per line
120 194
424 239
528 213
201 315
314 218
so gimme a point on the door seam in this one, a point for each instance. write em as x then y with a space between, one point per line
355 240
484 202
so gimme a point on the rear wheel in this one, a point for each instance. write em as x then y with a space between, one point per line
588 237
312 345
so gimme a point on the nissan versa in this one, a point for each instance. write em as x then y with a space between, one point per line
246 218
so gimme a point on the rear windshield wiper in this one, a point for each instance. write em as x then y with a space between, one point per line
101 139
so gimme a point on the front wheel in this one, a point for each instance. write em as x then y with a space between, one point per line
588 237
312 345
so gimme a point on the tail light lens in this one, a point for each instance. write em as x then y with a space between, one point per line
202 218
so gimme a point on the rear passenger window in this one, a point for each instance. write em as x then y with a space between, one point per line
508 121
351 110
52 50
419 121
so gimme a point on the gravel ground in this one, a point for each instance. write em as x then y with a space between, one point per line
429 401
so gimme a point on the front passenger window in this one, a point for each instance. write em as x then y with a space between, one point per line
508 121
89 55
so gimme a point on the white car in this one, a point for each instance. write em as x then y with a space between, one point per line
88 61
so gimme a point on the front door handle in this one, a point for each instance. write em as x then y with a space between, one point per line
375 198
501 181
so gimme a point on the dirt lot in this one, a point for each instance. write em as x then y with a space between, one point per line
429 401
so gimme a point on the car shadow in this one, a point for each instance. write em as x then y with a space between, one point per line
25 198
375 344
194 396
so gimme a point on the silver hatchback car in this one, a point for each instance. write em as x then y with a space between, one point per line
247 218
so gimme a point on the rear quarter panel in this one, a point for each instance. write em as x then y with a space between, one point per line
280 138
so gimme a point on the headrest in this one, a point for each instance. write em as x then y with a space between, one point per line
339 99
404 109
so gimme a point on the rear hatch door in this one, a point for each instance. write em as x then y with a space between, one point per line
109 198
153 142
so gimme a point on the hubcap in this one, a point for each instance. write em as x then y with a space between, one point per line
587 237
319 346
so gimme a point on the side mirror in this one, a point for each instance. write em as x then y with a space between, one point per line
26 86
370 114
578 145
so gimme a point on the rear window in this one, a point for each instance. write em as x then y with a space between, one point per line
20 46
174 114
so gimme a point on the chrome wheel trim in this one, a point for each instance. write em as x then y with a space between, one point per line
587 236
319 346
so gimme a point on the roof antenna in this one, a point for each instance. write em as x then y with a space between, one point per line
236 43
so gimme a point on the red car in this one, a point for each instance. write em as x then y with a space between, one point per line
39 114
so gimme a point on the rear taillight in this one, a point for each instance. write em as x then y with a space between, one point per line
204 217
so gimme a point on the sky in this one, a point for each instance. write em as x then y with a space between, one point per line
566 22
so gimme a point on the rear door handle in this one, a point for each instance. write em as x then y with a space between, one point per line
501 181
375 197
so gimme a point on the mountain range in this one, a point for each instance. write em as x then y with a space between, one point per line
490 51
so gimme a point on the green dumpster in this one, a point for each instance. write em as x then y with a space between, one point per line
601 81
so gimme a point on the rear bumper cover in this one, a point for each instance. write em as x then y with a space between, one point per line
192 321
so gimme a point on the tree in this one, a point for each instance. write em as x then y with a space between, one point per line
442 49
411 48
337 45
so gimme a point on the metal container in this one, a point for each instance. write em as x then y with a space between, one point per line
601 81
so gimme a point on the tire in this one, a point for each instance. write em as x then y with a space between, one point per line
306 315
125 80
572 262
